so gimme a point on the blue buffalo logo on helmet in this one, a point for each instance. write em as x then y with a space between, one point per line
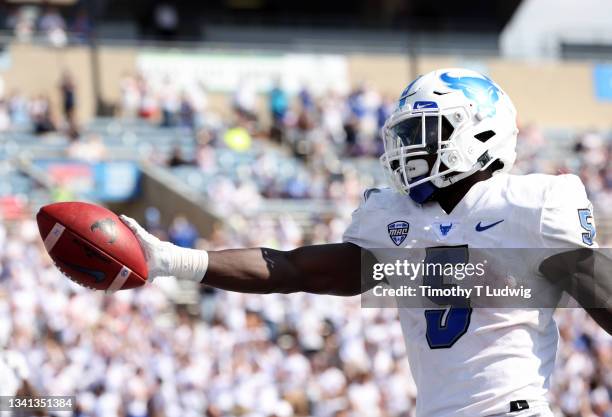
398 231
483 91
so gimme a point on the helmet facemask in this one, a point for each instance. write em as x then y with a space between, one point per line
419 148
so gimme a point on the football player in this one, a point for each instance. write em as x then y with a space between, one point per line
448 148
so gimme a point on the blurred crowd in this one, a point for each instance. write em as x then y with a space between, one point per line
296 149
36 114
588 155
349 122
148 353
20 112
70 22
26 22
141 353
291 146
279 145
247 180
325 134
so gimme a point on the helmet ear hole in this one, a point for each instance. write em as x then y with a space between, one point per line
496 165
447 129
484 136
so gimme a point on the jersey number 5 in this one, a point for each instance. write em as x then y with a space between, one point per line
446 326
586 222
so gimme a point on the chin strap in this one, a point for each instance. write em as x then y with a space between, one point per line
422 192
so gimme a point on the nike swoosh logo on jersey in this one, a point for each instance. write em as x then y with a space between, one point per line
481 228
99 276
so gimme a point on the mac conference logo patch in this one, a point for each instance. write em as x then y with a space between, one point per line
398 231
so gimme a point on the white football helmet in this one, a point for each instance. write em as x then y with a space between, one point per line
459 115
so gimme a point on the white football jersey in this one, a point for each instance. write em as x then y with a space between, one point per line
495 356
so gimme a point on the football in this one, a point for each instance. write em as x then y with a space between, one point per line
92 246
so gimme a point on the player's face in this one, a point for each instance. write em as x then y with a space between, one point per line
424 135
419 132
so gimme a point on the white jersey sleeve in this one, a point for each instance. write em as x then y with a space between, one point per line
353 233
567 215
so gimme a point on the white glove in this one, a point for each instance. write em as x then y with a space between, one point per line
166 259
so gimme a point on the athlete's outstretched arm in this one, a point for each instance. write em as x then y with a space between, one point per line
321 269
585 274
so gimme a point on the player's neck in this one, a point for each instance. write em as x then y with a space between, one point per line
450 196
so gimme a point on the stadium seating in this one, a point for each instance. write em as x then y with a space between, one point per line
273 171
